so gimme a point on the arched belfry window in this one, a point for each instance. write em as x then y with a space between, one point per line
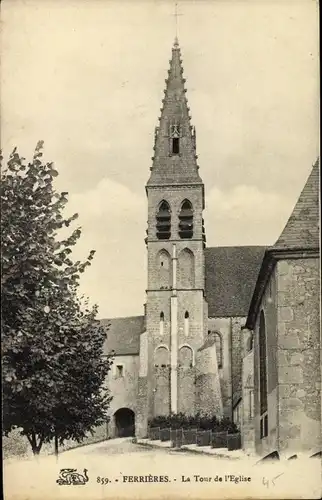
186 220
163 225
263 377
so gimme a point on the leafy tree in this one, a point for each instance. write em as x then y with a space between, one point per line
52 344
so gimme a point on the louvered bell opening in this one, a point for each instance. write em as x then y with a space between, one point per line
186 223
163 228
186 235
186 214
186 229
163 214
163 235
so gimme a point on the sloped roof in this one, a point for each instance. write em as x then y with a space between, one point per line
302 228
231 274
123 335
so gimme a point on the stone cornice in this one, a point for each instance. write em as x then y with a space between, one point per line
173 240
171 290
175 185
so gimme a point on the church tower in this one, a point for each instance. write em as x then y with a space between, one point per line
176 311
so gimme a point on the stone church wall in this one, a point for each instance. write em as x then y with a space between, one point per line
223 326
123 386
208 391
269 307
187 390
236 358
299 354
247 417
186 381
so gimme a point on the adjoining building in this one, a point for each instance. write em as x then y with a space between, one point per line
283 337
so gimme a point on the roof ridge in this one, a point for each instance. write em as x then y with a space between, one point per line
122 317
237 246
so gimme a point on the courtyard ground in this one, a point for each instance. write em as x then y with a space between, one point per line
119 468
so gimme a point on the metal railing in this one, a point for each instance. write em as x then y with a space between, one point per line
179 437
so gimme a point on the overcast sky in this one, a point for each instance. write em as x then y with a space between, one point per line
87 77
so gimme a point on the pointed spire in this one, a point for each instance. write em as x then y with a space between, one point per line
174 149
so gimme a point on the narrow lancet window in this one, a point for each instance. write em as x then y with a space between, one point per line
219 349
161 324
186 323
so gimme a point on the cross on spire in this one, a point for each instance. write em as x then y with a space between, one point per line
176 15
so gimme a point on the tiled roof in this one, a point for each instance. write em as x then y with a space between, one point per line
123 335
231 274
302 228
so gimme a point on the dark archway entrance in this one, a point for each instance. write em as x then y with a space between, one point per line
124 422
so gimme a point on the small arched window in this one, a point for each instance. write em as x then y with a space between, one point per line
163 217
186 323
186 220
161 323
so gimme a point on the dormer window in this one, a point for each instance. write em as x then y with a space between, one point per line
175 139
175 146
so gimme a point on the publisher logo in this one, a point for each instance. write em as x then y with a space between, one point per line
70 477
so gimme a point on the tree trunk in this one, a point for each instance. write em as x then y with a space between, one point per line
34 446
56 446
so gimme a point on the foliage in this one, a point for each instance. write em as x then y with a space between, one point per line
198 421
53 368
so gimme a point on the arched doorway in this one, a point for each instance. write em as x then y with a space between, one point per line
124 422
